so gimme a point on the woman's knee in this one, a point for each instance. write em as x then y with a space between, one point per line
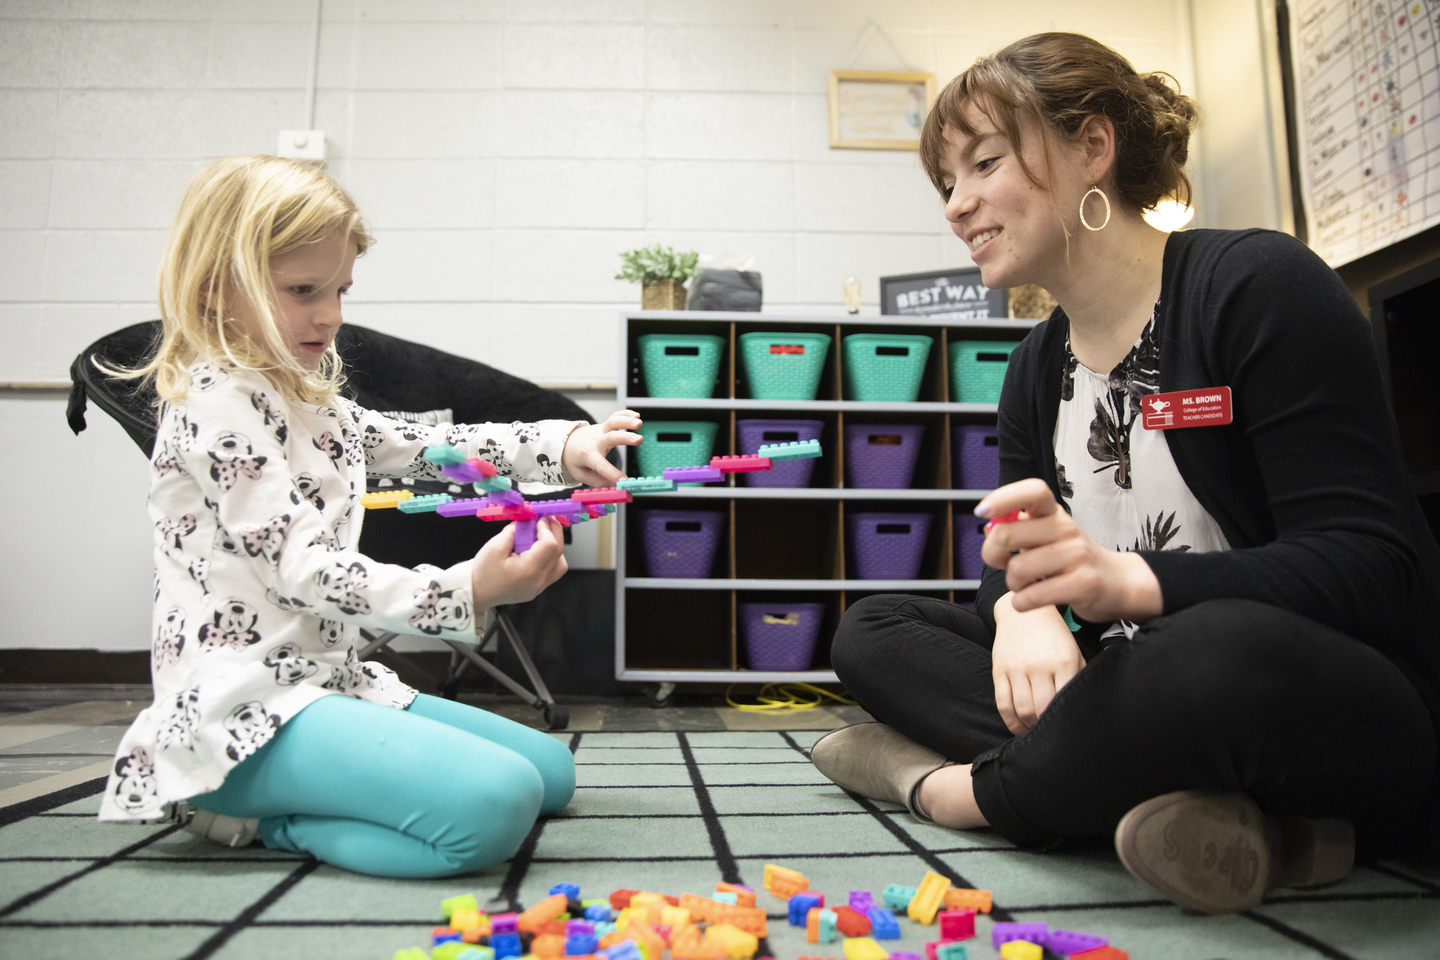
493 808
556 766
862 634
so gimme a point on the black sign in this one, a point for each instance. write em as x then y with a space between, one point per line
942 295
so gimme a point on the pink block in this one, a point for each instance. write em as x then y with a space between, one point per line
957 924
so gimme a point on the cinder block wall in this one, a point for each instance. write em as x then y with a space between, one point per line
505 152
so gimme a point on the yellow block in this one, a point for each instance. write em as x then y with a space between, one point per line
674 916
789 881
864 948
383 499
928 897
1021 950
738 944
650 905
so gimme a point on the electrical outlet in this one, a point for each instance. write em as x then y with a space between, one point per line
302 145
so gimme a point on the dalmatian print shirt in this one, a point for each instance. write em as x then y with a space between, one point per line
259 594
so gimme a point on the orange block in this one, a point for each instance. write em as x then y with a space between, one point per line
683 940
959 898
554 926
610 939
749 919
543 912
743 897
620 899
644 935
548 945
702 909
850 923
784 883
812 925
1102 953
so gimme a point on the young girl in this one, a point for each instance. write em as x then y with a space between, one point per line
264 720
1251 698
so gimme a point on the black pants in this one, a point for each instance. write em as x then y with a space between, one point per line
1228 695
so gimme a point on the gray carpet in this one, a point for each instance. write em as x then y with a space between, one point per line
670 812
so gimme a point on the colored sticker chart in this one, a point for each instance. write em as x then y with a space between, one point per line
1367 87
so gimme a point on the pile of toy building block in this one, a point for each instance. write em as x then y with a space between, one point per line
728 925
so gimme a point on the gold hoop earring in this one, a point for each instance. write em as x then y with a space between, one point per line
1086 223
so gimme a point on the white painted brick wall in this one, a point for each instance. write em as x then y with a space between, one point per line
505 152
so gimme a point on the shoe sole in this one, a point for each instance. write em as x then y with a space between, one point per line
1204 851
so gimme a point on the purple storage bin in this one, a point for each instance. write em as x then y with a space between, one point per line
881 456
780 636
681 543
753 434
969 538
889 546
977 457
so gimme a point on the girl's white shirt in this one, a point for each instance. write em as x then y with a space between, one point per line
259 592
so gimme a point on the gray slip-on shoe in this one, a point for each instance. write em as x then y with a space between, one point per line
1218 853
878 762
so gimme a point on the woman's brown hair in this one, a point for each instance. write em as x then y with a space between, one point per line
1058 80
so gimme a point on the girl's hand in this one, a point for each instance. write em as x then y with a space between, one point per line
586 447
1034 655
1048 560
500 575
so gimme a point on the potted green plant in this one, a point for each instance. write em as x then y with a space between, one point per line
661 273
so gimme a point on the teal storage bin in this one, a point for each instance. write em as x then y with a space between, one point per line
977 369
673 443
784 366
680 365
885 366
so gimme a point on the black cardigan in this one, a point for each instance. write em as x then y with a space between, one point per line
1307 483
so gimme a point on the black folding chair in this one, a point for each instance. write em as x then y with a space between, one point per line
402 378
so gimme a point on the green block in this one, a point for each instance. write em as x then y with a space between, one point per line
467 902
444 454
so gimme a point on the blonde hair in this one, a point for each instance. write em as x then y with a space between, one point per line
236 216
1058 81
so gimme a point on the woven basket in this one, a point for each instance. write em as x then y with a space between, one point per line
662 295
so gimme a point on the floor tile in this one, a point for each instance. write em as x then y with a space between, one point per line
627 839
160 890
624 802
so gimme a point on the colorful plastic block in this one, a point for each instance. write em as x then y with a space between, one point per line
449 950
414 953
504 923
674 916
645 484
598 495
543 912
800 906
692 474
905 955
462 508
620 899
425 504
472 924
384 498
1069 942
726 897
444 454
863 948
1037 932
951 951
827 928
958 898
897 897
928 897
883 925
746 463
744 896
505 944
957 924
581 944
475 953
795 450
1022 950
778 879
851 923
446 934
1102 953
493 485
450 905
738 944
575 925
548 945
624 950
861 901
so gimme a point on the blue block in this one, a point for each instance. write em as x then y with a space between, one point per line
505 945
597 911
883 925
800 906
438 938
581 944
571 891
624 950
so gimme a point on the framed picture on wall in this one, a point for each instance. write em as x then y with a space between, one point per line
878 109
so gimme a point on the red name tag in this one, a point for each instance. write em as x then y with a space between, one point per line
1209 407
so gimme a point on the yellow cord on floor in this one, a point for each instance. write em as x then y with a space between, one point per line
786 698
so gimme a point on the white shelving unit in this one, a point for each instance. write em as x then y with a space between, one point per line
790 540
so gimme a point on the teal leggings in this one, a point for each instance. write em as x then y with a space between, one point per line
433 791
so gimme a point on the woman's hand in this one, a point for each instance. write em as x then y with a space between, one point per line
1033 657
499 575
1048 560
586 447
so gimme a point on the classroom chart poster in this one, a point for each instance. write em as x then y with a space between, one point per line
942 295
1367 89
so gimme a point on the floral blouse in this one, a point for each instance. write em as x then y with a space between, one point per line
259 591
1118 479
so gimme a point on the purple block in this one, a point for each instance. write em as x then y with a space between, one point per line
507 498
1005 932
550 508
462 508
693 474
1069 941
976 450
461 473
524 535
504 923
904 955
861 901
573 927
753 434
881 456
969 538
